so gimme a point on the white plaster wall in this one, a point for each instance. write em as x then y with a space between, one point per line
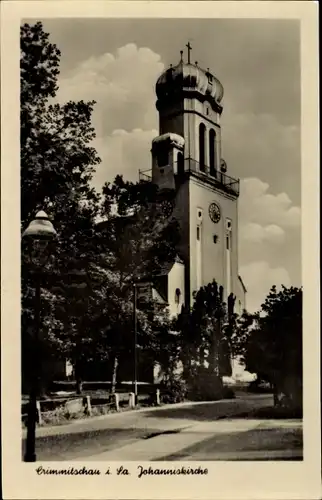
213 254
176 280
240 303
239 374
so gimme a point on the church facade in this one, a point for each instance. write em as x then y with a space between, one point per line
187 164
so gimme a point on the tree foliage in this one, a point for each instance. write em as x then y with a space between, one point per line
57 163
270 341
134 241
87 285
57 160
206 331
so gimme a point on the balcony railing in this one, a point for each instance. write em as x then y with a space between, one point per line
216 177
145 175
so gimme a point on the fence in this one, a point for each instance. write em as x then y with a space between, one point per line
83 405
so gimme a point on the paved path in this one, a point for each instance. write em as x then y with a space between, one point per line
167 432
235 439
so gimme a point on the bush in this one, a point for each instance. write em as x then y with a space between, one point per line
207 386
228 393
173 391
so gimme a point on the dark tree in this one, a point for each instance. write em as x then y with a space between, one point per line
135 240
205 334
57 162
272 342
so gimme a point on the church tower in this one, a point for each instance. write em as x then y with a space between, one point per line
187 158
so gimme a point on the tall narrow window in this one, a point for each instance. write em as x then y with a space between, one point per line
228 256
180 164
202 140
198 258
163 158
212 152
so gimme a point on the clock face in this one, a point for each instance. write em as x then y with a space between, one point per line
214 212
167 208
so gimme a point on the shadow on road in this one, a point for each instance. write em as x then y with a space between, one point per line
241 446
80 444
234 408
273 412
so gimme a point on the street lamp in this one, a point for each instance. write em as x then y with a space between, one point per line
135 321
36 244
135 342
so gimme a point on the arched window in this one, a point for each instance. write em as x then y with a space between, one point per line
180 164
212 152
202 140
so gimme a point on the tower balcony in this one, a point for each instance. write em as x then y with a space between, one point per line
216 178
145 175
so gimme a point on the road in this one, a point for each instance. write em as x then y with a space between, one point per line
222 430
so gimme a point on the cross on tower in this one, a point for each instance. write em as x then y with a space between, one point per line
189 49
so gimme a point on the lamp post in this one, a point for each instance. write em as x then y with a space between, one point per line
135 320
36 239
135 327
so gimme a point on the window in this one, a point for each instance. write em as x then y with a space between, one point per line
177 295
212 150
180 164
202 140
199 214
227 242
163 158
206 108
198 233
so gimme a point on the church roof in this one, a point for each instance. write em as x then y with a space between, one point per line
158 297
189 78
166 267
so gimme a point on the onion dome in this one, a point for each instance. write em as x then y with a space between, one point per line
189 80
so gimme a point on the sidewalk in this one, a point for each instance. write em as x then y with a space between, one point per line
176 444
134 418
109 420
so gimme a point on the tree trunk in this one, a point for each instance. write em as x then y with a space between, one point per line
276 395
42 388
114 374
79 386
78 376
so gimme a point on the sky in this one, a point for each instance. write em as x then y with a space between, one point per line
116 62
